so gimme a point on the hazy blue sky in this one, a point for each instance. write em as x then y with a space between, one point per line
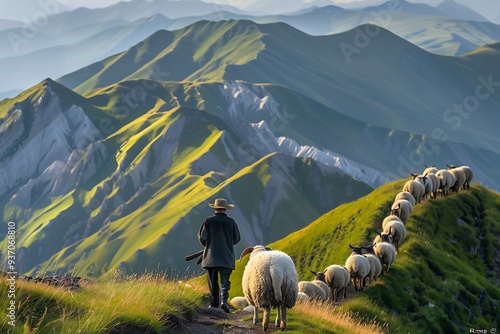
25 9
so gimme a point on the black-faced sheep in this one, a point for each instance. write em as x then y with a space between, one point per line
416 189
460 178
435 184
375 264
402 208
389 218
270 280
385 251
397 231
319 280
314 291
337 278
358 267
446 181
426 182
430 170
468 176
405 195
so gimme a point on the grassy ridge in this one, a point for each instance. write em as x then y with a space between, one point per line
445 278
145 304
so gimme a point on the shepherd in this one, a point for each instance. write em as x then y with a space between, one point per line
218 234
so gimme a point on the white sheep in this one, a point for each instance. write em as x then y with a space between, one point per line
358 267
446 181
238 302
375 265
430 170
468 176
426 182
405 195
416 189
302 298
435 184
389 218
459 178
337 278
385 251
314 291
397 231
324 286
270 280
402 208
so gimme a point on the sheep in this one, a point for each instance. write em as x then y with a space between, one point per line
435 184
460 178
269 280
402 208
430 170
238 302
469 175
407 196
302 298
385 251
389 218
426 182
446 181
337 278
314 291
415 189
375 265
358 267
322 284
397 231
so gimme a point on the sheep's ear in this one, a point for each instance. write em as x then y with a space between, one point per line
267 248
246 251
351 246
314 273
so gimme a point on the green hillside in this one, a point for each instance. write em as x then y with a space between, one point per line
446 276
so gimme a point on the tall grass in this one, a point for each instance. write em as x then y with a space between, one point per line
147 302
321 318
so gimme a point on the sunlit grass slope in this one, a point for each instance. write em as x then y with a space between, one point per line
445 278
113 305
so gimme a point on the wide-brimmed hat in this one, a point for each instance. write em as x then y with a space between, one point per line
221 203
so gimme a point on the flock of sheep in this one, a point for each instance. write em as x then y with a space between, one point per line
270 279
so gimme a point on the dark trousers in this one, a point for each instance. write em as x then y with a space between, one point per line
213 284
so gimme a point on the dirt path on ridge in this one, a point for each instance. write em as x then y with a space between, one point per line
216 321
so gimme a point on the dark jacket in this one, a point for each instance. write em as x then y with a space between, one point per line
218 234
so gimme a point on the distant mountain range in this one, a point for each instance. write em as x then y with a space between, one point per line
72 40
113 165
